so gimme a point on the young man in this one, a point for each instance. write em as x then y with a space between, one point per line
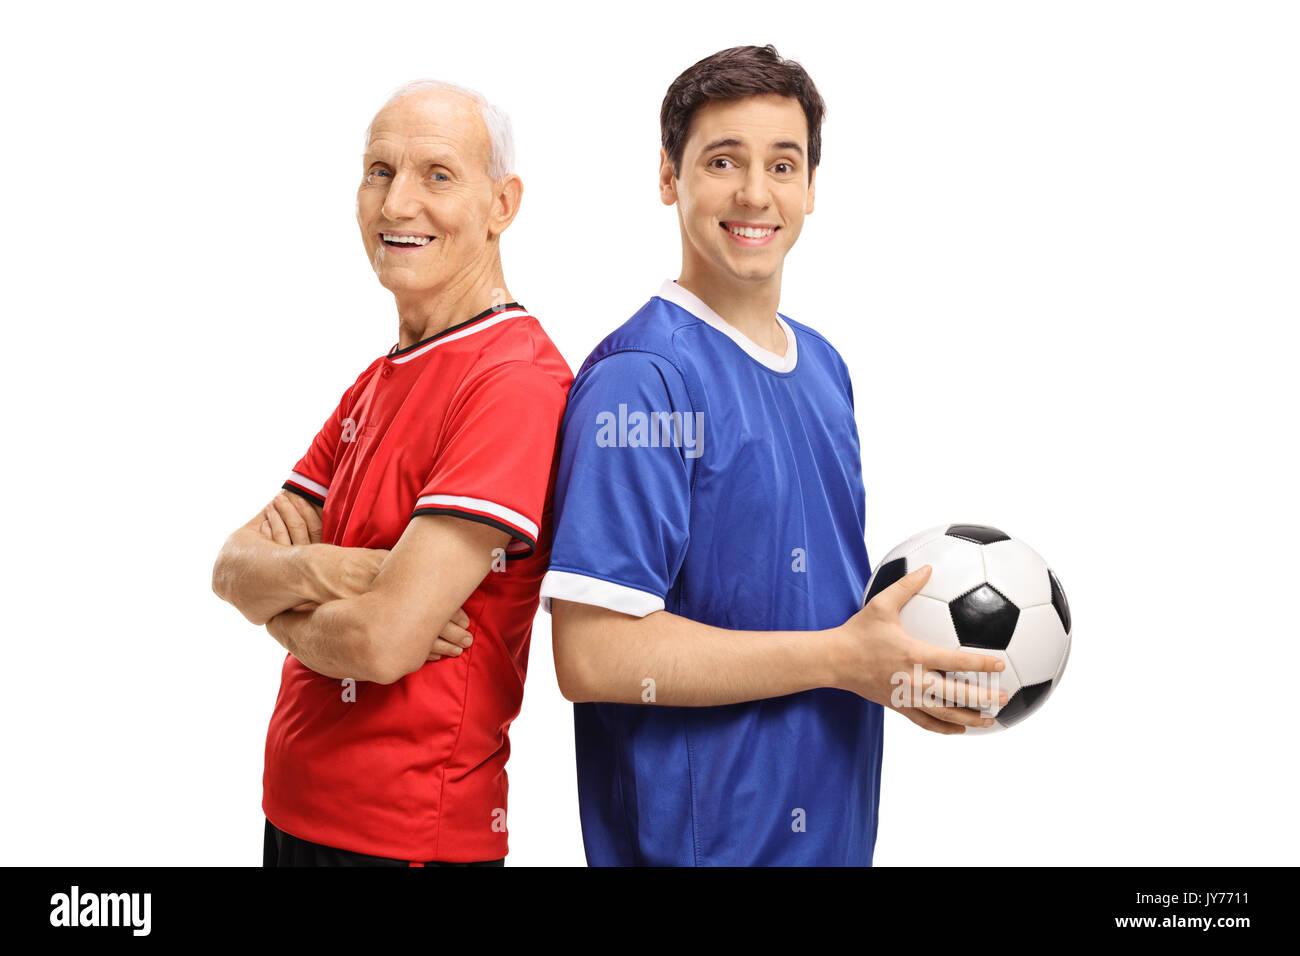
709 563
388 743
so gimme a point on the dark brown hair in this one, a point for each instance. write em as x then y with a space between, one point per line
732 75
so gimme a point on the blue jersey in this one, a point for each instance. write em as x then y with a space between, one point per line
705 476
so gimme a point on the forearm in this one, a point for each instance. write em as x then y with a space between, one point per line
663 658
262 578
333 639
385 626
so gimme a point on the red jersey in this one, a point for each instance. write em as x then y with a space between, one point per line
463 423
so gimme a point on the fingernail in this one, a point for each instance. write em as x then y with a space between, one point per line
988 721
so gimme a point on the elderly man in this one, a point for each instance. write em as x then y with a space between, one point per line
400 566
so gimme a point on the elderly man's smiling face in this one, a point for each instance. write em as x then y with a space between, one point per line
426 201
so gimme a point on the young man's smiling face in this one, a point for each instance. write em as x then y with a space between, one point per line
744 186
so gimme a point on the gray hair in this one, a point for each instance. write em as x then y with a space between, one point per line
501 140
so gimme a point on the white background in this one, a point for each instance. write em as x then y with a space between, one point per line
1057 244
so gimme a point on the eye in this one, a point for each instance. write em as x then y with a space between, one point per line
438 176
783 169
721 162
375 174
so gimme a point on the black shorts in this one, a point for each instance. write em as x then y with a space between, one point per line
282 849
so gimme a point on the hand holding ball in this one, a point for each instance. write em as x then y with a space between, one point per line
990 594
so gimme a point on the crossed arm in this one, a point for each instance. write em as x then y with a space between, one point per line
368 614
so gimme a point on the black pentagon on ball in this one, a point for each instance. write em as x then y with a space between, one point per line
1059 602
887 574
984 618
1023 703
978 533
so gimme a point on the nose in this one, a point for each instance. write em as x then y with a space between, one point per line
753 189
400 200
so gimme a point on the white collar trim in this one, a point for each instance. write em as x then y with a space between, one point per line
679 296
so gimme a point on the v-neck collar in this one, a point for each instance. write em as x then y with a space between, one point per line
670 291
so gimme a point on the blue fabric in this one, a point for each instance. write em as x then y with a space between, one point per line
716 531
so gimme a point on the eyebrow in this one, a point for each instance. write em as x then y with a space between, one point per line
720 143
429 159
728 143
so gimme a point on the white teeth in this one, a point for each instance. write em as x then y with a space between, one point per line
751 232
409 240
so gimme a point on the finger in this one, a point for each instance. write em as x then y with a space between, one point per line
279 533
265 530
957 715
964 692
446 648
460 617
434 657
288 512
903 590
309 517
927 722
937 658
455 634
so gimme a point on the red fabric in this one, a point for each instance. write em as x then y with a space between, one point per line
415 770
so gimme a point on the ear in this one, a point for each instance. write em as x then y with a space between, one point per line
667 179
812 190
505 205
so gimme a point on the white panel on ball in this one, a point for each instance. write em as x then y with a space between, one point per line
1069 640
914 542
957 567
929 620
1038 644
1016 570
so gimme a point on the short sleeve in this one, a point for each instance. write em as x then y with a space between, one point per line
311 477
494 463
623 487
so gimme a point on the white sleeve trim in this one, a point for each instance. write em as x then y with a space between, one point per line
307 483
480 505
581 589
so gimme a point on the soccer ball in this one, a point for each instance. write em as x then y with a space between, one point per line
991 594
